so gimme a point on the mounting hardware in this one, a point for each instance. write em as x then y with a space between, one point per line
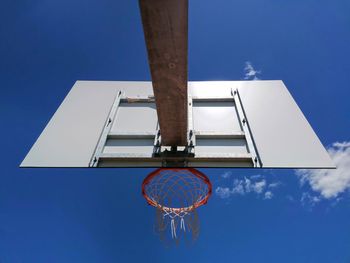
103 137
233 92
109 121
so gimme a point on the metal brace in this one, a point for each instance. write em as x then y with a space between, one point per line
107 127
246 128
157 144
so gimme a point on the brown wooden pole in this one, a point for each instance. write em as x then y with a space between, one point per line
165 25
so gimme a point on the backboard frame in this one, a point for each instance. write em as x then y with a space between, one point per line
52 147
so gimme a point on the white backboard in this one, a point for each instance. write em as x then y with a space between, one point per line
231 124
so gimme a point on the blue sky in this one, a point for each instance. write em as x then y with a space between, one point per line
79 215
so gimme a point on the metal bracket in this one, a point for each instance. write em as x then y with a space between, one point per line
246 128
107 127
175 157
157 143
191 139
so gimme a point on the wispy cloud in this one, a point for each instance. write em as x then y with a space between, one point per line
268 195
223 192
238 187
226 175
309 200
274 185
330 183
255 184
250 73
255 187
255 177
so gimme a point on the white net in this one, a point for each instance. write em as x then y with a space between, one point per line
176 193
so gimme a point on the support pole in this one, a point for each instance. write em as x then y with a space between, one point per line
165 25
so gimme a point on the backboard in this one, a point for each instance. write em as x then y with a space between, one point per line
230 124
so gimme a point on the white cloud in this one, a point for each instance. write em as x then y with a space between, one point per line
329 183
223 192
226 175
274 185
254 177
257 187
254 185
249 72
248 185
309 200
268 195
238 187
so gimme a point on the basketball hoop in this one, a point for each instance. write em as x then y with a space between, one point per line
176 194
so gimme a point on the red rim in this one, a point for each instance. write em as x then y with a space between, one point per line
197 173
